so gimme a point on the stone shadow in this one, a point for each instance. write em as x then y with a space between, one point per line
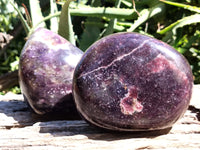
195 110
21 112
80 127
64 124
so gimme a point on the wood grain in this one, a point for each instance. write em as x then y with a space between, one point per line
21 129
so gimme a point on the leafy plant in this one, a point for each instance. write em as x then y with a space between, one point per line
7 15
8 21
184 35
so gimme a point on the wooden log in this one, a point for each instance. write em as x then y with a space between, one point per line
22 129
9 80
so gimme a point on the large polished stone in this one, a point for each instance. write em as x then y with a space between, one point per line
132 82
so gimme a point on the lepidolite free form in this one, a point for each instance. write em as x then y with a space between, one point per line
132 82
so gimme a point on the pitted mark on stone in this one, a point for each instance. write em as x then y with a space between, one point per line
116 60
129 104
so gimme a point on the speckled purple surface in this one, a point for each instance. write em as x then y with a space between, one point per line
132 82
46 69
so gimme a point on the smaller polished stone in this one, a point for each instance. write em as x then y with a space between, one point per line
46 70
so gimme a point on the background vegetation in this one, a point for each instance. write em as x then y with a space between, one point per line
176 23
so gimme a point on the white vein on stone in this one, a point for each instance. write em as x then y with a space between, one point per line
115 60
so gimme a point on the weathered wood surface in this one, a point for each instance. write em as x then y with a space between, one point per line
22 129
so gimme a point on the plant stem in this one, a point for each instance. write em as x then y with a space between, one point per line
22 19
45 19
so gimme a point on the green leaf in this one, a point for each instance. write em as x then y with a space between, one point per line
36 14
180 23
65 28
90 34
120 13
113 21
145 14
188 7
127 3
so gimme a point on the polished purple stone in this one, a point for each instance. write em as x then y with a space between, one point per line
46 69
132 82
